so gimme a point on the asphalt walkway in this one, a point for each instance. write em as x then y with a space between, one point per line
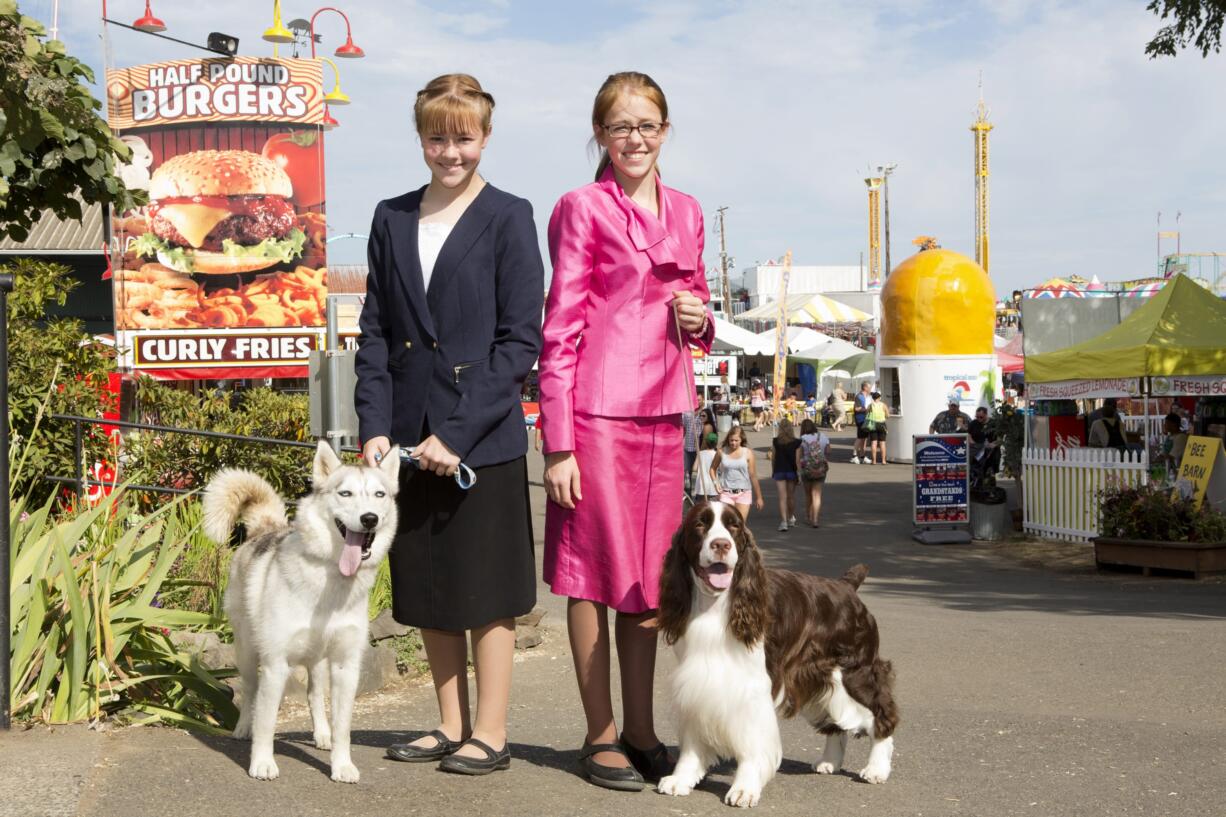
1029 685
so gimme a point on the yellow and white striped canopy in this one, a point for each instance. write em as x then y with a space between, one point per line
808 308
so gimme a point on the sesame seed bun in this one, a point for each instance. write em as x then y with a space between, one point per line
219 173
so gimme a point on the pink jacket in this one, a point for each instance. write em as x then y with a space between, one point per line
610 344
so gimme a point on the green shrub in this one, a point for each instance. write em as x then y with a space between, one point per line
202 570
1151 512
185 461
54 367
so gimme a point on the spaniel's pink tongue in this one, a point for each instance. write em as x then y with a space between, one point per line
720 581
351 554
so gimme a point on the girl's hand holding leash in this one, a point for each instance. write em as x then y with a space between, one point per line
691 314
432 454
375 450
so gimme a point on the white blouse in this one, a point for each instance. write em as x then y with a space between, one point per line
430 238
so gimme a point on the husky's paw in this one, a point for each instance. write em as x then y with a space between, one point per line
673 786
323 740
346 773
875 774
242 731
743 796
824 767
265 769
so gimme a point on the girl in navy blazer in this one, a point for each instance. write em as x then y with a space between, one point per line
449 331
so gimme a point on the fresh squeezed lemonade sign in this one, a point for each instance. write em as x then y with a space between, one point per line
223 273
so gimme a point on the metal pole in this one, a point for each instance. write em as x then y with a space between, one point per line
6 286
886 190
331 410
78 459
726 292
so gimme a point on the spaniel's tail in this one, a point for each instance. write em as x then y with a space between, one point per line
856 575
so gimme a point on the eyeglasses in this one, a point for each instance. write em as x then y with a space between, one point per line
648 130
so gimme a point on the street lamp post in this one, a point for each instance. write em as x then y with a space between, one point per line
278 33
885 171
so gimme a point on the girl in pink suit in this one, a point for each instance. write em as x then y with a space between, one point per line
626 303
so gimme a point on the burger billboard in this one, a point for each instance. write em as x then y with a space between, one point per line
223 273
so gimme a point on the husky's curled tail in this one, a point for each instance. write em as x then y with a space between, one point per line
235 495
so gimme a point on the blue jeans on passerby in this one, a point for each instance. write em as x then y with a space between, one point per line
690 457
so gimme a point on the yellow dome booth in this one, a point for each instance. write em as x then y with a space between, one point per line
938 316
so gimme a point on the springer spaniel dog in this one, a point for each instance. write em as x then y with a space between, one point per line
752 643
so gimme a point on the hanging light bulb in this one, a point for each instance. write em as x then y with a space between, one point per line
278 33
149 24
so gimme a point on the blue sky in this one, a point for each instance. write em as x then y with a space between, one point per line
778 106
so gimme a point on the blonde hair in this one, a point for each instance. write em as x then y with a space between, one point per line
624 82
453 103
786 433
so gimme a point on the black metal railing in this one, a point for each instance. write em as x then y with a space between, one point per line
81 481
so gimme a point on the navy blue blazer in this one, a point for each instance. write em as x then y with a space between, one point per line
451 360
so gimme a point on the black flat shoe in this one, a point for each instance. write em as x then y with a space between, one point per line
408 753
625 778
492 762
652 763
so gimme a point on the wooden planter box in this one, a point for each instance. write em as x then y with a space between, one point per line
1197 558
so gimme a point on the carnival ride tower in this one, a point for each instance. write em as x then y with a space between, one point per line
874 231
980 129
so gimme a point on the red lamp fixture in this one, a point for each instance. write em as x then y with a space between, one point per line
148 23
328 122
349 50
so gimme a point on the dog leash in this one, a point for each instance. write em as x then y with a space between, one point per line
681 339
465 477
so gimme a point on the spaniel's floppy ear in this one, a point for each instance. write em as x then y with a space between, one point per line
748 617
676 589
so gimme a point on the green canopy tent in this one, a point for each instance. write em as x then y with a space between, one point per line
1180 331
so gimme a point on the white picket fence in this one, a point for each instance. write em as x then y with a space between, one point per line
1061 488
1152 428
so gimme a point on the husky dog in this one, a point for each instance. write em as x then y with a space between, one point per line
298 592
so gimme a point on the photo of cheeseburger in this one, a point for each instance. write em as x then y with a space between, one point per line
221 212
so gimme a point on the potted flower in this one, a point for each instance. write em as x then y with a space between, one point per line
1146 526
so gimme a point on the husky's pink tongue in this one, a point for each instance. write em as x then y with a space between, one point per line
721 581
351 554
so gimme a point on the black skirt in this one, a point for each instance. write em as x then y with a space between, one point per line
462 559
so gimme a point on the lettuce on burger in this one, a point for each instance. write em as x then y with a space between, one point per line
221 211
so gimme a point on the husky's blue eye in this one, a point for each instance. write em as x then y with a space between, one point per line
345 493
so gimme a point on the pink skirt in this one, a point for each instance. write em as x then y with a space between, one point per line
610 549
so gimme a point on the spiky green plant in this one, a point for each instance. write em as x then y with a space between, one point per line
90 638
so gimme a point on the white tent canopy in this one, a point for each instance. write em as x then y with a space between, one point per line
732 338
826 351
807 307
799 337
